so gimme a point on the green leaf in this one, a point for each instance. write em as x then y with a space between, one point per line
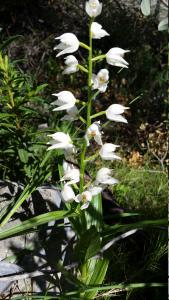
35 222
41 88
37 179
119 228
88 245
94 213
97 277
145 7
5 116
23 155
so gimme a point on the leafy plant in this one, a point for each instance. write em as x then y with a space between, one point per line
19 117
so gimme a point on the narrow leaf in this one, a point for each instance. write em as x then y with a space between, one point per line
35 222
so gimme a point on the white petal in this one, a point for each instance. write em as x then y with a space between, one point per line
84 206
61 137
63 107
93 8
97 31
57 146
78 198
72 175
67 193
116 60
70 60
118 51
95 190
104 177
95 83
69 44
116 118
70 70
98 139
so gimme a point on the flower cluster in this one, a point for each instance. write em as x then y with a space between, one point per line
74 175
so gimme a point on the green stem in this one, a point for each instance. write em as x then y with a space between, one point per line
95 95
92 157
82 119
100 57
98 114
89 105
83 45
83 69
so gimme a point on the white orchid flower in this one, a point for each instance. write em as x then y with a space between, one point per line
68 44
93 131
93 8
95 190
114 57
100 81
114 112
70 173
84 198
71 65
104 177
107 152
60 140
97 31
67 194
66 100
72 114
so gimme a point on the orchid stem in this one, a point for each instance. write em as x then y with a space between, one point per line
82 119
98 114
99 57
95 95
83 45
81 102
89 106
83 69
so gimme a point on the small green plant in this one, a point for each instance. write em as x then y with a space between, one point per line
19 118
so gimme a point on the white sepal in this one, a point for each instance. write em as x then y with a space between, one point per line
60 140
104 177
66 100
71 174
71 65
97 31
68 194
114 57
72 114
68 44
114 112
107 152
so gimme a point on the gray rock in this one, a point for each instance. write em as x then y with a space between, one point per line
7 269
42 249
